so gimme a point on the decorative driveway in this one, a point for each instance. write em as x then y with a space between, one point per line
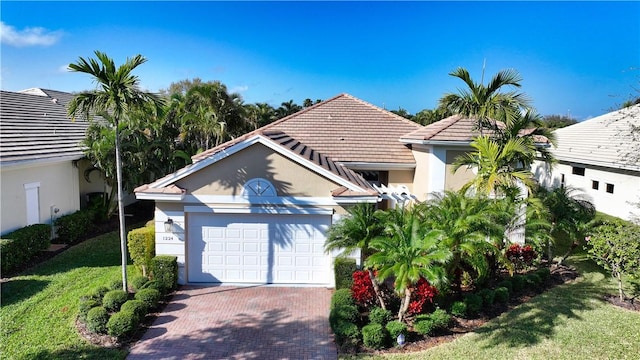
228 322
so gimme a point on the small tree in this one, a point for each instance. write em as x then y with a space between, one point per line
616 247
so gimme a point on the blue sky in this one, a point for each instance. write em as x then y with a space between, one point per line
577 58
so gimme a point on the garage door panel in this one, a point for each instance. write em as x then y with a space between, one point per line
257 248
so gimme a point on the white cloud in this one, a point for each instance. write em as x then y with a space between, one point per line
239 89
35 36
64 68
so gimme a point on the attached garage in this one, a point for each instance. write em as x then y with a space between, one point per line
258 248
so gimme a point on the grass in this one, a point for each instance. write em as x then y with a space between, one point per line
570 321
39 306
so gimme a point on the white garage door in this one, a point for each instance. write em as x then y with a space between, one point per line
258 248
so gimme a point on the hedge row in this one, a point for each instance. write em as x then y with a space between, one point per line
21 245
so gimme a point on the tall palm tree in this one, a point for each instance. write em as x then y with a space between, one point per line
529 126
486 103
407 252
118 94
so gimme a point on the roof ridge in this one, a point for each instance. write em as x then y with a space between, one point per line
384 111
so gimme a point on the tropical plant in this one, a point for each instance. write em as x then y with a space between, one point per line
408 252
118 94
537 139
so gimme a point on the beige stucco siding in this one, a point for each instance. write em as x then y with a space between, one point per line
455 180
401 177
58 186
421 175
228 176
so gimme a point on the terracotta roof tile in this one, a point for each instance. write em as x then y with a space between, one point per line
453 128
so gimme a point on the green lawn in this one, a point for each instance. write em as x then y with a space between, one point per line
39 307
567 322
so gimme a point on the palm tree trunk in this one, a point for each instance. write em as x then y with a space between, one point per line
376 289
123 236
405 304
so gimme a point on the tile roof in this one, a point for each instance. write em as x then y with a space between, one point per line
606 140
35 127
345 129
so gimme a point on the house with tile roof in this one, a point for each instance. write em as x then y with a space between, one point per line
41 159
256 209
600 157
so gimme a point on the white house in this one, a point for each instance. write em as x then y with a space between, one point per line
600 157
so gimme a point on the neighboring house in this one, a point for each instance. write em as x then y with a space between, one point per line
600 157
41 160
256 209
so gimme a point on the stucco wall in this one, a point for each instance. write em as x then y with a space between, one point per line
626 186
455 180
421 178
58 187
95 184
401 177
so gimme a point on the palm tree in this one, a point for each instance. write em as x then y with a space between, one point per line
355 231
486 103
529 126
470 229
407 252
118 94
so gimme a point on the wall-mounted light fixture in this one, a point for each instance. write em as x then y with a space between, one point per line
168 225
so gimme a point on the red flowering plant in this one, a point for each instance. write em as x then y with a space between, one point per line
421 296
362 289
521 256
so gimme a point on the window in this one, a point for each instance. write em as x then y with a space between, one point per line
595 184
610 188
577 171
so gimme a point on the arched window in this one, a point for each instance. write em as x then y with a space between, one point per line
259 187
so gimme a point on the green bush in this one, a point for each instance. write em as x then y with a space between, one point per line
116 284
97 320
137 307
150 297
395 328
424 326
506 284
98 293
342 297
459 309
440 318
518 283
346 330
501 295
348 313
141 243
378 315
488 296
21 245
474 303
86 304
139 281
114 299
344 269
533 280
153 284
544 273
164 269
122 323
71 228
374 336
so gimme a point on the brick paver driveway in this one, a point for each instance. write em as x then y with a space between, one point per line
226 322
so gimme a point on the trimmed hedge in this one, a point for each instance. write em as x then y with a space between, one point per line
375 336
85 305
459 309
98 293
97 320
488 296
474 303
502 295
506 284
141 243
150 297
378 315
139 281
19 246
344 269
71 228
114 299
342 297
164 269
137 307
518 283
395 328
122 323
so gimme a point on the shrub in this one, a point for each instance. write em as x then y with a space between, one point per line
116 284
153 284
459 309
114 299
150 297
84 306
506 284
341 297
137 307
544 273
424 326
488 296
139 281
474 303
423 294
395 328
518 283
380 316
374 336
521 256
440 318
122 323
346 330
71 228
98 293
362 289
141 243
97 320
21 245
343 270
501 295
348 313
533 280
164 269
